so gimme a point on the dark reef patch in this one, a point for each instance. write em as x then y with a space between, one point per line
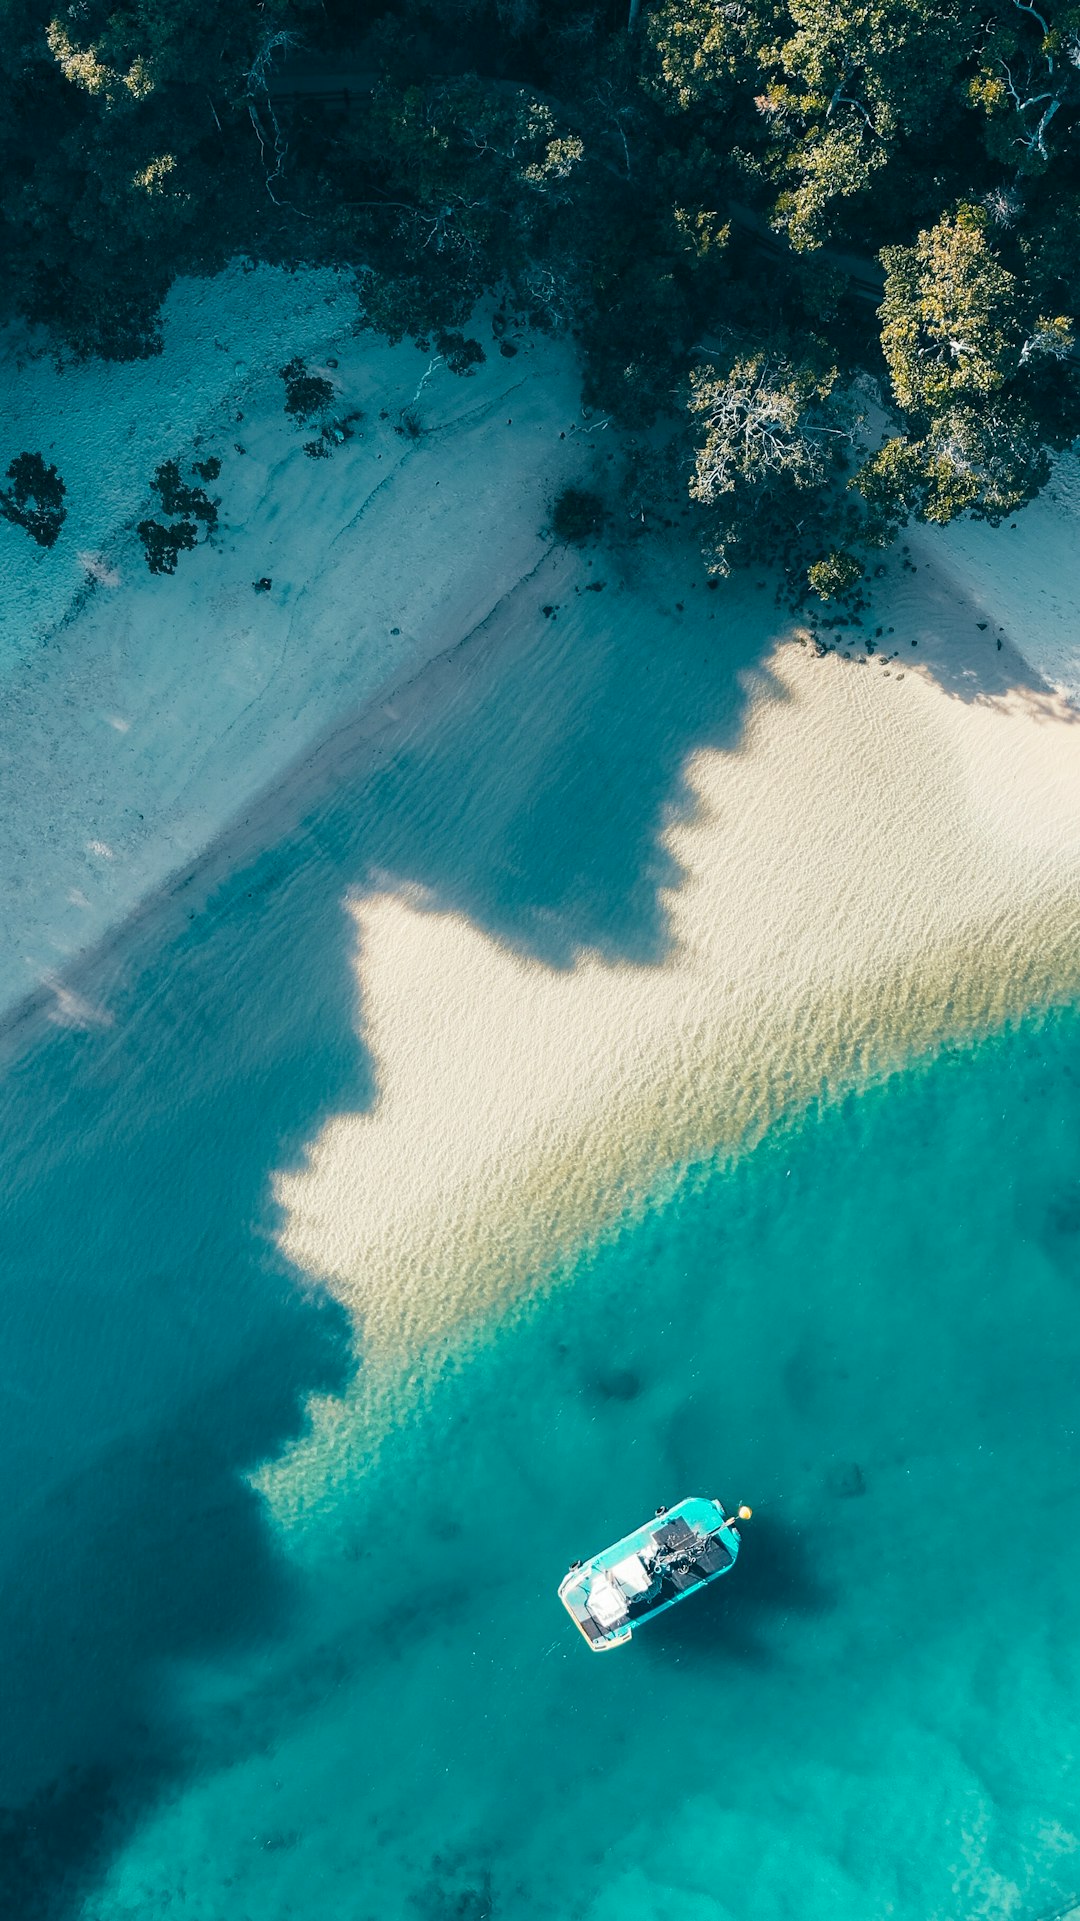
618 1384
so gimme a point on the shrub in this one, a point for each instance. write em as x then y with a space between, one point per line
34 482
576 515
188 508
305 394
460 355
333 433
163 545
835 575
178 498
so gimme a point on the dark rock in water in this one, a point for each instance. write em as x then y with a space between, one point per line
1063 1213
845 1479
263 584
618 1384
446 1899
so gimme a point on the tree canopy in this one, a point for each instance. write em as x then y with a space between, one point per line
741 209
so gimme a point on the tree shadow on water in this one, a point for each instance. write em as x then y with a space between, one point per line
156 1347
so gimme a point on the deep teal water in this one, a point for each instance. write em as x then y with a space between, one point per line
868 1327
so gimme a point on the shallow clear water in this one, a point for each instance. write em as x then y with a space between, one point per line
867 1327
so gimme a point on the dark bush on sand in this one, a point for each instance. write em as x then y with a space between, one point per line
576 515
35 499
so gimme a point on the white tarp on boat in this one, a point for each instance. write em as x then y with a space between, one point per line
607 1603
633 1576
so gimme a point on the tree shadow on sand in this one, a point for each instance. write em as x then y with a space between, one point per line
941 630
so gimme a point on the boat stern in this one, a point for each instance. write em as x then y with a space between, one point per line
595 1610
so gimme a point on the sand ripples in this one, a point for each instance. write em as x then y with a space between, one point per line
875 869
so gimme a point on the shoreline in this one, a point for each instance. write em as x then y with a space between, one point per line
164 708
872 863
275 810
300 771
381 608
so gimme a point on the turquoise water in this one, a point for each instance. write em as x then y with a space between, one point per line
867 1328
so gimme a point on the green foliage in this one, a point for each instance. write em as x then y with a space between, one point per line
701 52
721 174
35 499
1024 77
952 321
120 125
576 515
966 351
824 96
987 461
835 575
768 429
762 420
449 188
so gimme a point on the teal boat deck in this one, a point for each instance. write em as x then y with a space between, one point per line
682 1549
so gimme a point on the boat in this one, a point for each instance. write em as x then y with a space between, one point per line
683 1548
